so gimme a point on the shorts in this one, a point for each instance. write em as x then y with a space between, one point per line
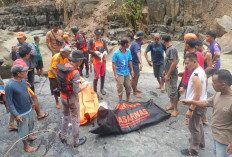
26 126
171 87
53 84
1 88
123 81
99 70
136 68
158 70
211 72
39 64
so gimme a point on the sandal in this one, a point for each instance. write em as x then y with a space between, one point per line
81 141
44 116
186 152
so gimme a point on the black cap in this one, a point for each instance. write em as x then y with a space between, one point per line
99 31
138 34
76 56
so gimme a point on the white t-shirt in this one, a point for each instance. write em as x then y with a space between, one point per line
203 78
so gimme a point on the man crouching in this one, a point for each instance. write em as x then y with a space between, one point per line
68 81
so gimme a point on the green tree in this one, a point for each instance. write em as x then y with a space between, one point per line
132 13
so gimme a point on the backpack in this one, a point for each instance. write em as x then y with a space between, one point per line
65 86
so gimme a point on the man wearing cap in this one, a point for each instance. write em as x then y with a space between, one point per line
20 104
54 38
81 44
31 62
71 106
59 58
137 60
98 49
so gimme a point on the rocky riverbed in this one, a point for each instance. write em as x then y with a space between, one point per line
164 139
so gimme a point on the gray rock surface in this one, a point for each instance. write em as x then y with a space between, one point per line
223 25
164 139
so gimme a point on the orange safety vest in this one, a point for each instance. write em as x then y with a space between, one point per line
68 78
97 43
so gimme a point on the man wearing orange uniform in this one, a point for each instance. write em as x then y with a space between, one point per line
69 97
98 49
81 44
59 58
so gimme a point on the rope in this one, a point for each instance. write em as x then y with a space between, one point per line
29 135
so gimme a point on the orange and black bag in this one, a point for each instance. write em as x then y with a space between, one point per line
128 117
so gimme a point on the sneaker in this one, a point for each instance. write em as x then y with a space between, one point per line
81 141
202 147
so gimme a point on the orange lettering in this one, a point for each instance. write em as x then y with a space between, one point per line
145 111
141 113
119 120
124 119
128 118
132 116
137 115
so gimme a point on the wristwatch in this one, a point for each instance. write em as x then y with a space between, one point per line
191 110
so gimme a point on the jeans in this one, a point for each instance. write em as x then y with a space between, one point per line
220 149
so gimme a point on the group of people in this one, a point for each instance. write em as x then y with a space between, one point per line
66 71
199 64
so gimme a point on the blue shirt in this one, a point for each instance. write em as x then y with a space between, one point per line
17 97
121 61
157 52
39 56
215 47
135 48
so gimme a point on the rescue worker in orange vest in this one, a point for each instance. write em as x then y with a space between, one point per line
98 49
81 44
70 99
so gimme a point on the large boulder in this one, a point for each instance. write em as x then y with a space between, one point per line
226 43
223 25
118 34
8 39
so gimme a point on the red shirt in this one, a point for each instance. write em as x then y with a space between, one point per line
188 72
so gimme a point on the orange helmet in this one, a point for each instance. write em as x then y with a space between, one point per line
189 36
65 36
20 35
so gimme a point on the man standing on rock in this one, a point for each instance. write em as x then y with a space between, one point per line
98 49
59 58
221 102
137 60
21 104
31 62
121 62
157 49
170 74
70 99
81 44
215 50
196 90
54 38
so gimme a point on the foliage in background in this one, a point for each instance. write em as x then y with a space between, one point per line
132 13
